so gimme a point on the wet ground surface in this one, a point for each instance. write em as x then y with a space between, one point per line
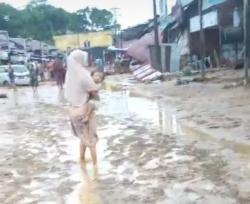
145 155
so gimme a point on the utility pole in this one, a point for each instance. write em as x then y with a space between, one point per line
202 41
115 12
246 39
121 39
156 57
156 24
78 40
41 51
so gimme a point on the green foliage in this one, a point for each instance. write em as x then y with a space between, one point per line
94 19
41 21
100 18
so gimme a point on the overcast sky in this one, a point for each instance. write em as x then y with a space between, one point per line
131 12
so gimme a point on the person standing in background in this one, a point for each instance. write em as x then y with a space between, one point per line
41 69
11 75
59 73
34 77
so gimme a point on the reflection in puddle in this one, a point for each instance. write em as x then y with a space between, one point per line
168 123
16 97
61 97
86 192
111 87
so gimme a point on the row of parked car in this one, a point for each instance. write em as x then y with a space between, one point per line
21 72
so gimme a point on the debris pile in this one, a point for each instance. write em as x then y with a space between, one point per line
145 73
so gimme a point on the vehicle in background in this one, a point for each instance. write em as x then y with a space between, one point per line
21 72
22 75
4 77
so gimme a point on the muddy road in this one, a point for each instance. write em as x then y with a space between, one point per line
145 155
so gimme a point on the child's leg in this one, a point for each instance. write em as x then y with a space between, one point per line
88 111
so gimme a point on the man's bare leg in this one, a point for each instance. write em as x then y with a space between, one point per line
93 155
82 154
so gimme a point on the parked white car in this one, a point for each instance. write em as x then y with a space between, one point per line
21 72
4 77
22 75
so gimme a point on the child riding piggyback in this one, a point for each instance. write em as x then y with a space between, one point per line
90 106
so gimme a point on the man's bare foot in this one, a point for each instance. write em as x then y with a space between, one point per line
83 161
95 173
83 164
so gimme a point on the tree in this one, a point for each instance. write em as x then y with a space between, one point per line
100 18
42 21
8 17
85 21
95 19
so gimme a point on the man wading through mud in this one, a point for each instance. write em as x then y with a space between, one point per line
79 86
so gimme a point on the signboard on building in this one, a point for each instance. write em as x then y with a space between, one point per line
236 18
209 20
208 3
186 2
195 24
4 40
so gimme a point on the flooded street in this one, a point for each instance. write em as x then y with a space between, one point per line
145 155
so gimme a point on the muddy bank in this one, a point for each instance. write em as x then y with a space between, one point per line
216 107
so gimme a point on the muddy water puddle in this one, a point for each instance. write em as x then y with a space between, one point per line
144 156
